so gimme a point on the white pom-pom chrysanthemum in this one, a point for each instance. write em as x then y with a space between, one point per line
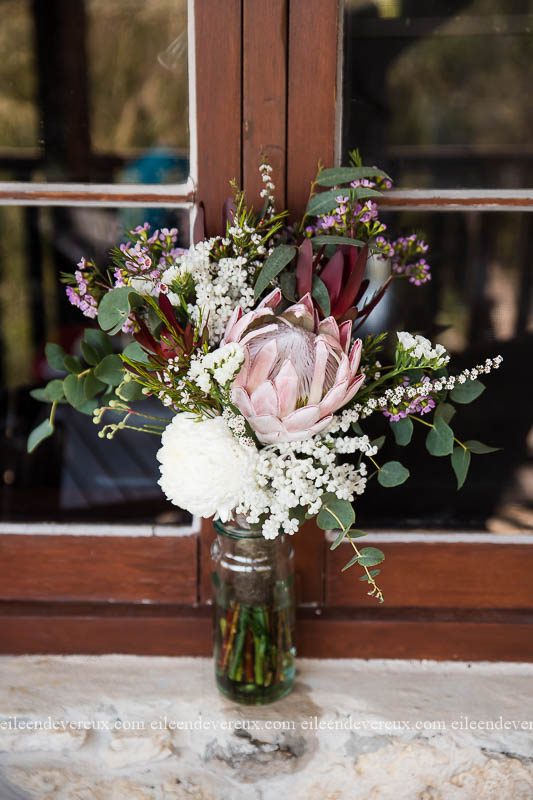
204 468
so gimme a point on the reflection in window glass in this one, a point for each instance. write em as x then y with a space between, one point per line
74 476
478 304
438 92
97 105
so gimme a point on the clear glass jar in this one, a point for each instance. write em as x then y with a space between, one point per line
253 581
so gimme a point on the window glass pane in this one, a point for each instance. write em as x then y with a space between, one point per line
73 476
438 92
478 304
107 102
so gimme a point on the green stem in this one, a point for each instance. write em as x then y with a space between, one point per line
377 590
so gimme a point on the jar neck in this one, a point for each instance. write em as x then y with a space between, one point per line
238 529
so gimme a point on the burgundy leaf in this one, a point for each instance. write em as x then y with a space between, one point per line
304 268
168 312
362 290
145 338
332 274
356 260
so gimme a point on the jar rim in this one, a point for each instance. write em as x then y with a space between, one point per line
234 531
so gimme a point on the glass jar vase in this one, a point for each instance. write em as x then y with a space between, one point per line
253 581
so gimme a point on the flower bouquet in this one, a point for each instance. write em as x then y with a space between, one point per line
272 409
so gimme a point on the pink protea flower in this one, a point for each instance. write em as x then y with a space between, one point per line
297 371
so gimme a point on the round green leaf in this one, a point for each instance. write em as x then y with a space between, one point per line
135 352
403 431
114 309
392 474
54 391
55 356
90 354
439 441
38 434
467 392
335 514
370 557
93 385
460 464
110 370
130 391
74 388
73 364
446 411
99 341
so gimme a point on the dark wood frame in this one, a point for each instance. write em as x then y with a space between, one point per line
70 594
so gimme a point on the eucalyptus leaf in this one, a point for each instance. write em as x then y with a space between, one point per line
321 295
370 557
88 407
74 388
446 411
392 473
40 395
73 364
335 176
439 441
39 434
379 442
460 463
373 573
90 354
335 514
403 431
467 392
135 352
92 385
115 307
130 391
110 370
275 263
54 391
350 563
99 341
55 355
479 448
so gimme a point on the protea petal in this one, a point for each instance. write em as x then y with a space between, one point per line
241 399
319 376
265 399
345 334
354 388
334 399
272 300
262 365
329 327
355 355
265 424
286 383
302 419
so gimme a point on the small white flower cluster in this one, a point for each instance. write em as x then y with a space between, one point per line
296 475
421 351
427 387
267 192
220 365
219 286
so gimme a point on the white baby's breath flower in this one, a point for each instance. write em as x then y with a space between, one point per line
204 468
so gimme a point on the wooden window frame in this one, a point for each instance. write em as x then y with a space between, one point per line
151 594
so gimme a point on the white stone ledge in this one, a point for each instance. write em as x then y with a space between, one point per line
157 729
